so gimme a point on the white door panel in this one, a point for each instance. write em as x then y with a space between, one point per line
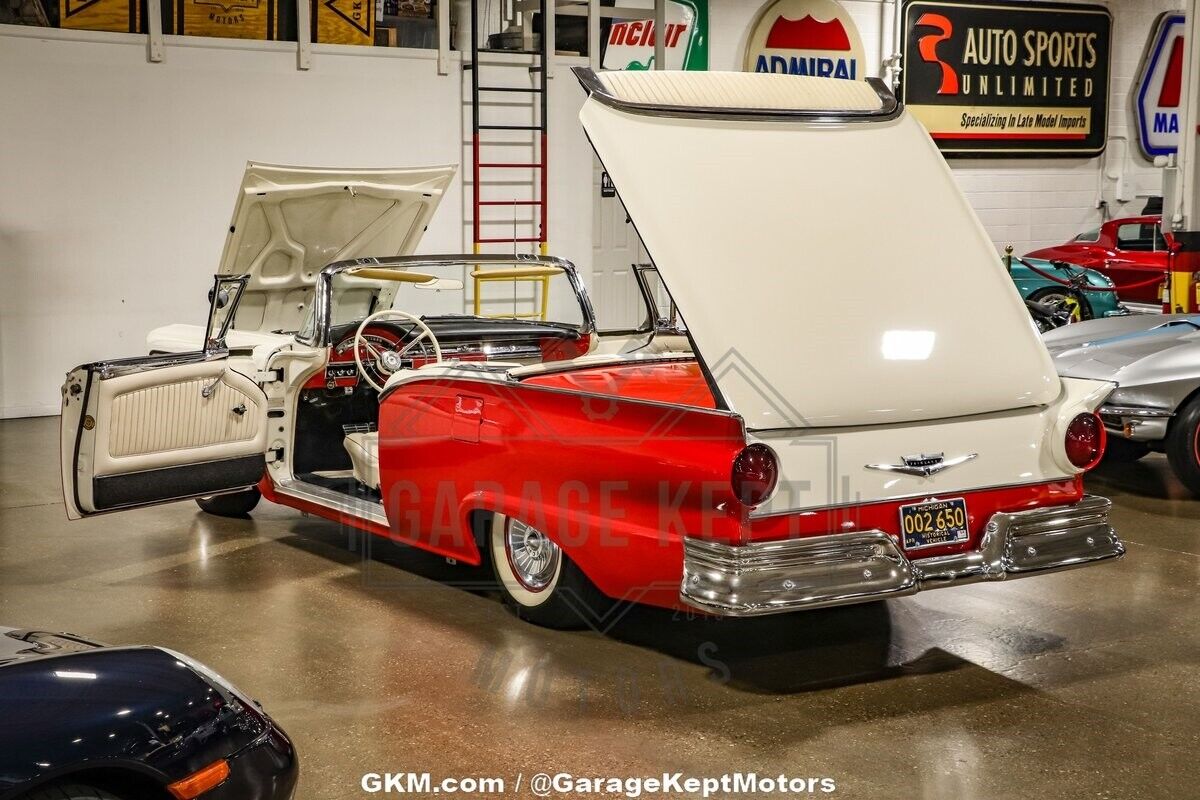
149 430
153 424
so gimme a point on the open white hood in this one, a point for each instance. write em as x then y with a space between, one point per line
289 222
827 266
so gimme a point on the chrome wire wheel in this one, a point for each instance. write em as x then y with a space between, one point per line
532 557
526 562
537 579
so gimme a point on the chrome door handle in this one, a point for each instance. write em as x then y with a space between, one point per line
240 409
207 391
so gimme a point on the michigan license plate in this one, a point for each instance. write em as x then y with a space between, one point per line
934 523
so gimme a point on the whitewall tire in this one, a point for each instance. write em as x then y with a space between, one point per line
538 580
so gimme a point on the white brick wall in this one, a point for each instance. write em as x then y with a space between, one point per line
1026 203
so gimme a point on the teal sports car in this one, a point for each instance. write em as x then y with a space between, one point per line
1078 293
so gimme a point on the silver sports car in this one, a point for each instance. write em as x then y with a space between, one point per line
1155 362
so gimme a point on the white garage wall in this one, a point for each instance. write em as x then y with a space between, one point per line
118 176
1028 204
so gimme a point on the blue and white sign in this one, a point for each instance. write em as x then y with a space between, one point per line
1157 108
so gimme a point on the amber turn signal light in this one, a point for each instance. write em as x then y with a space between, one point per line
200 782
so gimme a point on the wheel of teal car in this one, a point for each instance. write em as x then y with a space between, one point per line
1183 445
1078 305
538 580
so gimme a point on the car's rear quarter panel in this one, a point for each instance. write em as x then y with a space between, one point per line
615 481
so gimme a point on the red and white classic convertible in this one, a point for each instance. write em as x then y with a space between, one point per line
786 449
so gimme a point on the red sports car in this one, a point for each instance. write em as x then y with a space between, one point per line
1131 251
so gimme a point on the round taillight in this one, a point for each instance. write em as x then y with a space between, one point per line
1085 441
755 472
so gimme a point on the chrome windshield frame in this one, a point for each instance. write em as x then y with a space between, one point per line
323 291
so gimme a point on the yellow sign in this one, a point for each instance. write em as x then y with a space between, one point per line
345 21
1040 123
235 19
100 15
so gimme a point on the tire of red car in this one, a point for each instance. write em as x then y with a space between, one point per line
537 580
1183 445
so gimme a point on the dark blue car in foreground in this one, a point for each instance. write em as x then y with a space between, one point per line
83 721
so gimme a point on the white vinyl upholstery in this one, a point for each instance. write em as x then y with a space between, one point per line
364 455
162 418
741 90
184 338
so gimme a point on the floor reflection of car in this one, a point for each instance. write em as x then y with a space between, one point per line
799 452
1155 362
1131 251
85 721
1080 293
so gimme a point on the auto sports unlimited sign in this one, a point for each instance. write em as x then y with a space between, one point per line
1008 79
631 42
805 37
1158 86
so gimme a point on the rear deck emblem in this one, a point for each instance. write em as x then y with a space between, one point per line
924 464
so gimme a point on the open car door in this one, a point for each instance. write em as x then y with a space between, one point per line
141 431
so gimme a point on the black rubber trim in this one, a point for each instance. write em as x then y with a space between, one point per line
110 492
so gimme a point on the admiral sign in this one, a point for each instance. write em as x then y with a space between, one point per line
805 37
1008 78
1156 96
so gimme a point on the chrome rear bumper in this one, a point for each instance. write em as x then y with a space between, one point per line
844 568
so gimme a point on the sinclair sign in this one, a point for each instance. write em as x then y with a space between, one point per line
1156 96
630 42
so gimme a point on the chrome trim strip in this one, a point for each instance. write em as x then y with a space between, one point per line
616 360
934 465
129 366
1133 411
889 109
353 506
839 569
1142 308
756 514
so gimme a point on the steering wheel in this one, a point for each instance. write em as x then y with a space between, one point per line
388 362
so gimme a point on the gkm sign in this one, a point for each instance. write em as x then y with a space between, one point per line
805 37
1159 80
1008 78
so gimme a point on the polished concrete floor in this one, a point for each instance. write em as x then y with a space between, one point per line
1078 685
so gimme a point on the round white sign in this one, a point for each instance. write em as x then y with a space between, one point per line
805 37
